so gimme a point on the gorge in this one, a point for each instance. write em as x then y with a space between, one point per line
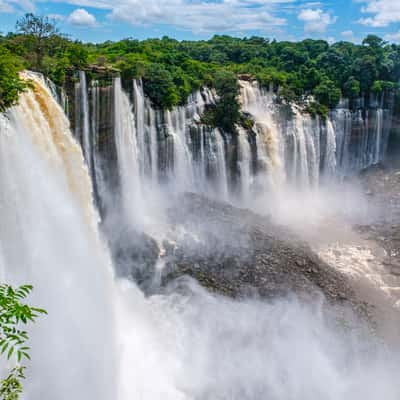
107 201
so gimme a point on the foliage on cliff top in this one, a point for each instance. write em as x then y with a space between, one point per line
172 69
10 84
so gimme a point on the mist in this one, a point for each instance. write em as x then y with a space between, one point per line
107 336
198 346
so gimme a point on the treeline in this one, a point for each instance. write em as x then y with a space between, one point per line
172 69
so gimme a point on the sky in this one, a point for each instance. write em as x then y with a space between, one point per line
100 20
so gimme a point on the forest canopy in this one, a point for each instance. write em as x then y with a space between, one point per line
172 69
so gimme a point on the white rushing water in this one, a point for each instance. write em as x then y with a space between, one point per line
175 145
83 117
128 155
284 146
105 339
49 238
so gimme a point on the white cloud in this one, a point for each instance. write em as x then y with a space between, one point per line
348 35
316 20
5 7
393 37
194 15
202 15
382 12
81 17
56 17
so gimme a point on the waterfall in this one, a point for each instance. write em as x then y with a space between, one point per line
330 158
297 149
127 153
82 119
146 133
244 164
219 163
49 238
342 124
270 149
287 142
175 145
97 171
279 146
105 339
378 134
176 127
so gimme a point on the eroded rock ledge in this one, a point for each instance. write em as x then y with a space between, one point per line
239 253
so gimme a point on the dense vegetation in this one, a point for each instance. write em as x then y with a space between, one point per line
172 69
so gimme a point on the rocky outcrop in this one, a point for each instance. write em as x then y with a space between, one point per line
238 253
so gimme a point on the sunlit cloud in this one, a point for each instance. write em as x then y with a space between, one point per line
381 13
316 20
80 17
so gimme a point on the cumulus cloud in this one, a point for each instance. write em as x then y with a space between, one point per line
382 12
393 37
316 20
348 35
201 15
5 7
192 15
81 17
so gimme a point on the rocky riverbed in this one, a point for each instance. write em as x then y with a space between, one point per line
238 253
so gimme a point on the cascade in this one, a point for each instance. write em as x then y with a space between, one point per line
104 339
176 128
216 162
295 148
175 145
97 170
270 150
147 138
82 118
341 119
330 157
281 146
244 164
127 153
49 238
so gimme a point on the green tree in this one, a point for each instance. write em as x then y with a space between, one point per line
38 31
159 86
327 93
10 83
227 110
351 88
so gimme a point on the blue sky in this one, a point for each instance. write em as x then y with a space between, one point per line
99 20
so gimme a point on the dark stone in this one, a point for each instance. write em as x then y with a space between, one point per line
236 252
135 255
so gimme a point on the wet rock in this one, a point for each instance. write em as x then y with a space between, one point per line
135 255
237 253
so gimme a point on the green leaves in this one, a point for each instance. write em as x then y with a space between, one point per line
172 69
13 315
11 386
160 87
10 83
327 93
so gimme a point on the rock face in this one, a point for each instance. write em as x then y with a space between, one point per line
238 253
382 185
135 255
